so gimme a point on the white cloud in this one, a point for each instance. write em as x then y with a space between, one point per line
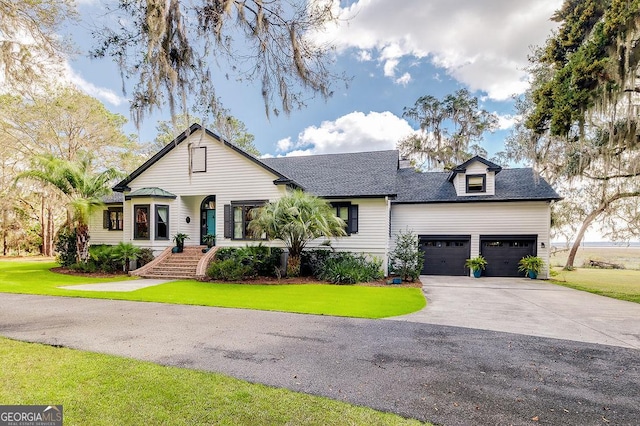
354 132
404 80
507 121
105 95
483 44
284 144
364 55
390 67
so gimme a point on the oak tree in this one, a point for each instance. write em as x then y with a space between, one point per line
448 127
178 50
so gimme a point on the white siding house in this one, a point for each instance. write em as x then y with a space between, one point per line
501 221
200 184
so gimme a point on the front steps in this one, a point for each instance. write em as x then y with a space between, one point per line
175 265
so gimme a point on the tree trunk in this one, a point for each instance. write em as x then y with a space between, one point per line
293 266
576 244
82 243
4 232
50 232
43 229
589 220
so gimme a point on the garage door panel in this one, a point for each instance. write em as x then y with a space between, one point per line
444 256
503 255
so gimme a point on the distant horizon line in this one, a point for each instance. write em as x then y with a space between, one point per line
621 244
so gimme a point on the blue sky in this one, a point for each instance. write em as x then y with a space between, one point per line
395 52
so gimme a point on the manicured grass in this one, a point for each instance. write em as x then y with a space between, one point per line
623 284
97 389
351 301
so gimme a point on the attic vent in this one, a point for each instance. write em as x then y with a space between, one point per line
199 159
404 163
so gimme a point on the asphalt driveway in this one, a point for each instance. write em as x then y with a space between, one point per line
530 307
447 375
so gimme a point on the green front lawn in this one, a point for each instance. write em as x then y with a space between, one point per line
97 389
623 284
33 277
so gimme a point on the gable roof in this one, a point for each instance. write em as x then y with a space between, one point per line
124 184
359 174
368 174
462 168
522 184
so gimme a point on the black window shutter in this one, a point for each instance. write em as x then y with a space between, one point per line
105 219
228 225
353 219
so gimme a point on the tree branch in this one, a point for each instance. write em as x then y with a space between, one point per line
608 178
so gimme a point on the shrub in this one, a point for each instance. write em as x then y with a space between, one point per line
406 259
313 261
349 268
145 256
66 247
263 260
229 270
226 253
101 258
87 268
255 260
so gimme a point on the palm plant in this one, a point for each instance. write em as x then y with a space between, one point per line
82 188
125 252
296 219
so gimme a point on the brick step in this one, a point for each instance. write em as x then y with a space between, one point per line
161 270
169 276
177 265
180 262
192 249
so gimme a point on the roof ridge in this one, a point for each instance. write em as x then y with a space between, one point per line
333 153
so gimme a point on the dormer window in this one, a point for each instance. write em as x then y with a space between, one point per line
476 183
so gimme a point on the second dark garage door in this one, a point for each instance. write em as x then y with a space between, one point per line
504 252
445 255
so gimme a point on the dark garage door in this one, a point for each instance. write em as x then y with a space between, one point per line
503 254
445 255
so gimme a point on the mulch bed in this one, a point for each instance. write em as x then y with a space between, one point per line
68 271
255 281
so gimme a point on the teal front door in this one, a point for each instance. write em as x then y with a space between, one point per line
211 222
208 219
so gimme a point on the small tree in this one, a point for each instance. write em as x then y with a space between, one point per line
406 258
296 219
125 252
82 188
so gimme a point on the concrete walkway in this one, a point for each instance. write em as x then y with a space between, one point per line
125 286
529 307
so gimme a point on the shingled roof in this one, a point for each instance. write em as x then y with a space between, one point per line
367 174
522 184
358 174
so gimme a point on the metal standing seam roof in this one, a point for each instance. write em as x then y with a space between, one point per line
152 192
